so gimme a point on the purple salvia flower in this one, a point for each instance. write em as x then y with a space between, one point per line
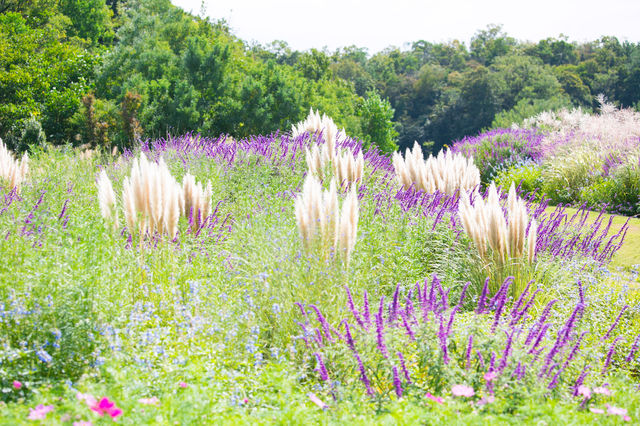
526 308
615 323
554 381
481 359
506 353
563 336
442 334
469 349
404 367
431 301
574 350
366 313
325 325
580 380
380 336
483 297
303 311
452 317
393 309
64 209
397 384
352 308
408 306
349 338
321 367
516 306
463 294
318 337
363 375
501 302
634 349
410 332
581 292
540 323
612 351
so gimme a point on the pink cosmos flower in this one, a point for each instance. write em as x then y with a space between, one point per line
596 410
615 411
584 391
149 401
437 399
462 390
17 384
82 423
487 400
89 399
602 390
106 407
626 418
490 376
245 400
183 384
40 412
317 400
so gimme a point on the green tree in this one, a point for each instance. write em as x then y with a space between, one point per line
377 123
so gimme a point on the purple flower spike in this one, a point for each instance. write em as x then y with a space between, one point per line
404 367
483 297
366 313
393 309
612 351
325 325
363 375
397 384
615 323
322 369
380 331
352 307
580 379
406 325
350 342
463 294
634 349
469 349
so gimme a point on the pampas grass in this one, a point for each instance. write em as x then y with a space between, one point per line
153 200
107 199
12 171
323 230
486 222
507 237
447 172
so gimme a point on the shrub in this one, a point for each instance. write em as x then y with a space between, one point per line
527 175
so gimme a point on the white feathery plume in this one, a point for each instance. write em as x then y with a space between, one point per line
532 241
129 202
12 171
107 198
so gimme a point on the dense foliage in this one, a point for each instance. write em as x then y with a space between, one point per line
236 322
90 72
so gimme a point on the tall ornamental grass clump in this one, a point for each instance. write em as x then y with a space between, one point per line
446 173
12 171
578 158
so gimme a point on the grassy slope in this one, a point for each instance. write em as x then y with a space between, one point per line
629 253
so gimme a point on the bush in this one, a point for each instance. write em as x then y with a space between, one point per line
32 135
527 175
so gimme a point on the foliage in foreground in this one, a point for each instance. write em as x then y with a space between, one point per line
207 322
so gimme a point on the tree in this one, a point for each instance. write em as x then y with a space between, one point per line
377 124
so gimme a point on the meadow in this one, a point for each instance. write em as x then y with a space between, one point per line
241 306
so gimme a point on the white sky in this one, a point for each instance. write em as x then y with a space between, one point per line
378 24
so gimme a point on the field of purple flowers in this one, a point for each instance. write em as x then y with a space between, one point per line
231 319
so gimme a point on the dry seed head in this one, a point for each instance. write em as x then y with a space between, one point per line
532 240
129 202
106 197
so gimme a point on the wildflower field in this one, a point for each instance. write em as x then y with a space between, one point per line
297 279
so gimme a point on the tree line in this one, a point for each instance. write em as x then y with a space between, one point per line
104 73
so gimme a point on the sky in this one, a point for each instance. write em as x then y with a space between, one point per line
377 24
